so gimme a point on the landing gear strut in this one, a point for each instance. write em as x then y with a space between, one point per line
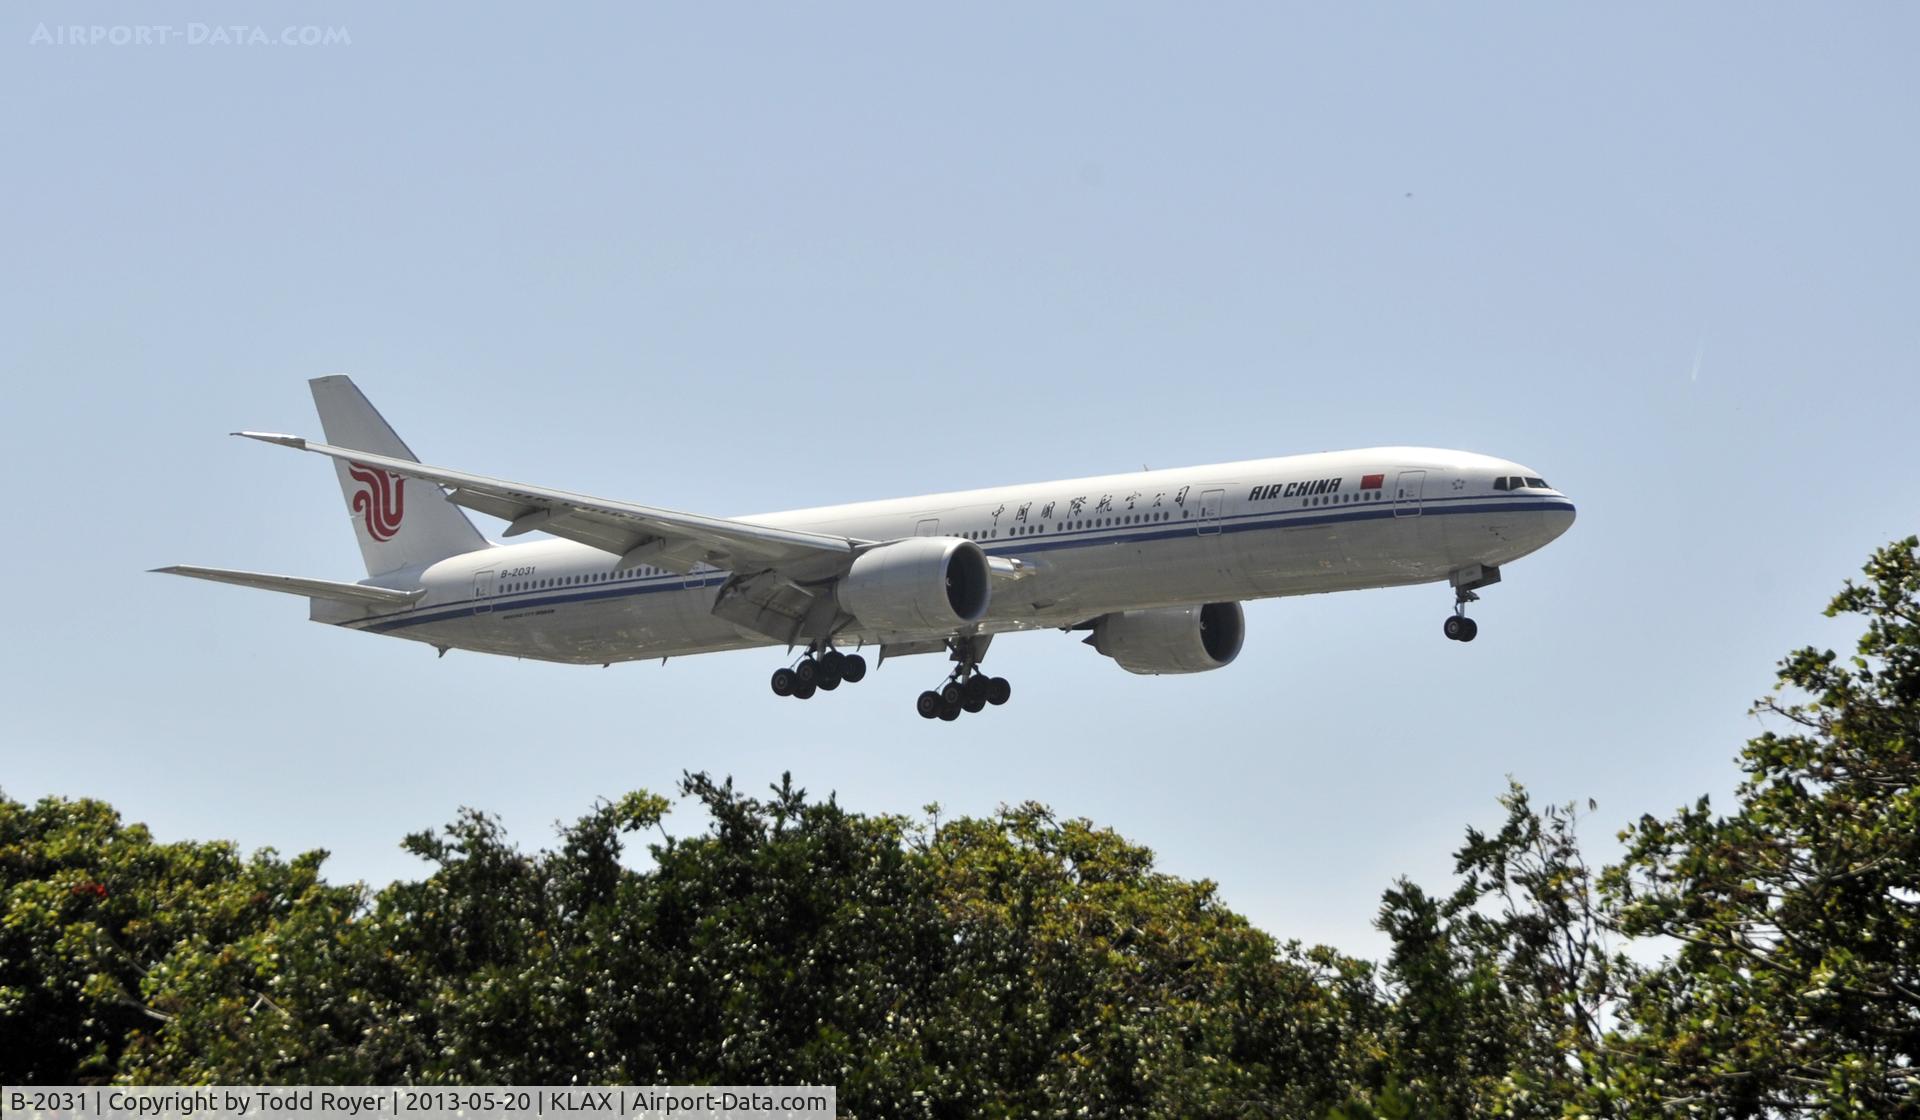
1459 627
967 689
821 669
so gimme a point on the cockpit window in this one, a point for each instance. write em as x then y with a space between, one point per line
1541 483
1501 483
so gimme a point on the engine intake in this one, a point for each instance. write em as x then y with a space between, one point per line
918 584
1172 639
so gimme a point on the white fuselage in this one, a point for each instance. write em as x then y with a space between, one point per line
1298 525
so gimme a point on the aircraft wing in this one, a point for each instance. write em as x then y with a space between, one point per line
637 534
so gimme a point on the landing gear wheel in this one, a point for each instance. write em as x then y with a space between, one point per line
974 693
949 712
853 668
999 690
827 679
928 704
951 694
803 690
974 703
834 662
1469 630
1461 628
783 682
808 670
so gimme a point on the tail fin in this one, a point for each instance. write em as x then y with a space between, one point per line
397 529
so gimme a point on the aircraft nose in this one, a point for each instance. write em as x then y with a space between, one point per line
1559 518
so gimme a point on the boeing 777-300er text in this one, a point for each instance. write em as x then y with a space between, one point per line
1153 565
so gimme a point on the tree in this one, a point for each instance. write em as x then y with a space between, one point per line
106 937
1001 966
1497 993
1087 983
1795 987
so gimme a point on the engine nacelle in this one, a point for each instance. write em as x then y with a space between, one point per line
1172 639
918 584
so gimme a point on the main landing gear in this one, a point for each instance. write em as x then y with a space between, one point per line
967 689
1459 627
821 670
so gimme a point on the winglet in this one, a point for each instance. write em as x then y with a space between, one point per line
297 442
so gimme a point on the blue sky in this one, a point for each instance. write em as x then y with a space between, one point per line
799 254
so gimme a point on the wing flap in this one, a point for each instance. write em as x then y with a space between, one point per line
297 585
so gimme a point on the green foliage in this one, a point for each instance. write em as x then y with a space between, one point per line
1796 985
107 937
1497 993
1006 966
1088 982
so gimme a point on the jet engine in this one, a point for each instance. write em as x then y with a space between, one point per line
1172 639
917 584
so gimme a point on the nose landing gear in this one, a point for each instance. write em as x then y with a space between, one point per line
1459 627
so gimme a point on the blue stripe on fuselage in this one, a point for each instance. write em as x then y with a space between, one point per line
1246 522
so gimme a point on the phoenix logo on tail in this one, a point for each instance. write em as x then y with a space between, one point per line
380 501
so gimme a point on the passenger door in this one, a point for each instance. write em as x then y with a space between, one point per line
1210 502
1406 497
482 592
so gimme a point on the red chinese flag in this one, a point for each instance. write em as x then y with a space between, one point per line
1373 482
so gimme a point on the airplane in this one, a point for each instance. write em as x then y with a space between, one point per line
1152 566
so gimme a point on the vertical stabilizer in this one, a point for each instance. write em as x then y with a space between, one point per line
401 523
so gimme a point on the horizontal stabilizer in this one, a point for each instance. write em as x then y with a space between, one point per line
295 585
